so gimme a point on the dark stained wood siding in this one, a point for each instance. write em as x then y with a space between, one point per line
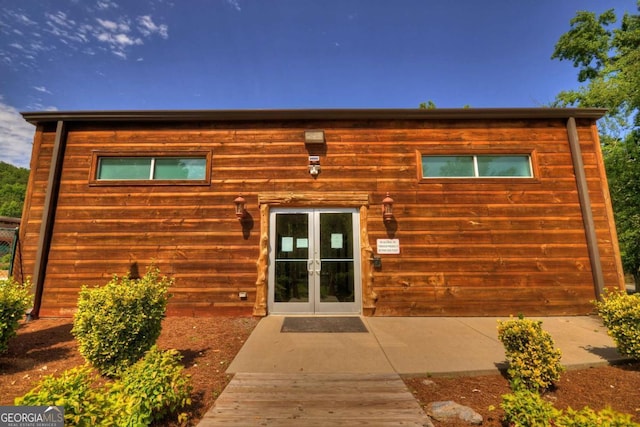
468 247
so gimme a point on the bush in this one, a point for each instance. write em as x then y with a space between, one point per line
84 405
5 260
526 408
620 313
148 391
154 387
587 417
116 324
14 300
534 363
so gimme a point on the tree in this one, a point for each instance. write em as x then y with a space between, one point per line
429 105
13 186
608 60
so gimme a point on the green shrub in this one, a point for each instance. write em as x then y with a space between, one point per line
620 313
526 408
5 260
534 363
14 300
84 403
154 387
587 417
148 391
116 324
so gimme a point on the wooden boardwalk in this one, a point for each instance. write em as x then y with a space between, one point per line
300 399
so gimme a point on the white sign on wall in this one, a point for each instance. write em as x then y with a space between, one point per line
388 246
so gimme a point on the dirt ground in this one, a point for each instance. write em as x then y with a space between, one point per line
46 346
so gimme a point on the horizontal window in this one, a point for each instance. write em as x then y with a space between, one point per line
477 166
152 168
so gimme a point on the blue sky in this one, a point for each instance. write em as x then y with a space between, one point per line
270 54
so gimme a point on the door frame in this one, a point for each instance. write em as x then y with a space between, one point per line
268 200
314 305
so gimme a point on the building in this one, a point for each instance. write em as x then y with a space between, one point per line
444 212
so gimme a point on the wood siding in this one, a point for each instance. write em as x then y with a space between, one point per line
468 246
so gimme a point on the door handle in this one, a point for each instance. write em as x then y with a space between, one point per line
319 267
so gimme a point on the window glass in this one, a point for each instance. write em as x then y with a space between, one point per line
504 166
124 168
179 168
482 166
447 166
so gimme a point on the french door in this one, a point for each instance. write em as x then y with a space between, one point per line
314 264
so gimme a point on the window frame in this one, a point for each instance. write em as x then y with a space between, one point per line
96 155
531 153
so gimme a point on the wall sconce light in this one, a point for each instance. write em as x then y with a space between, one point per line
314 137
240 204
387 208
314 165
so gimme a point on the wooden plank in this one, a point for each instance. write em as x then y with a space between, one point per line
315 399
467 234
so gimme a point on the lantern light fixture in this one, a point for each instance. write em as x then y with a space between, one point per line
240 205
387 209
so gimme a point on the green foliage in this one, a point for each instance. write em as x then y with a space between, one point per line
525 408
14 300
620 313
623 172
587 43
116 324
85 404
587 417
5 260
13 186
534 363
429 105
154 387
149 390
608 60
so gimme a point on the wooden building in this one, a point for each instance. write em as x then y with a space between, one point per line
445 212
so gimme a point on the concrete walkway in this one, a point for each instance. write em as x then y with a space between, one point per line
414 345
393 346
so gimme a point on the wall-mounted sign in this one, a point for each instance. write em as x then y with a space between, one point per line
388 246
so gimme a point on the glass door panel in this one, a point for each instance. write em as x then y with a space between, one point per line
291 280
336 257
312 264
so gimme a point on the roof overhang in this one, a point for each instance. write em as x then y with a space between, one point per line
313 115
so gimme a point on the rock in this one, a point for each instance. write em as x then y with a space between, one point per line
428 382
450 410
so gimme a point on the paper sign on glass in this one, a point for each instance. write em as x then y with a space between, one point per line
302 243
287 244
336 241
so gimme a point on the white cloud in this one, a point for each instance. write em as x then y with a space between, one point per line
122 26
24 19
17 136
106 4
235 4
147 27
42 89
70 32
